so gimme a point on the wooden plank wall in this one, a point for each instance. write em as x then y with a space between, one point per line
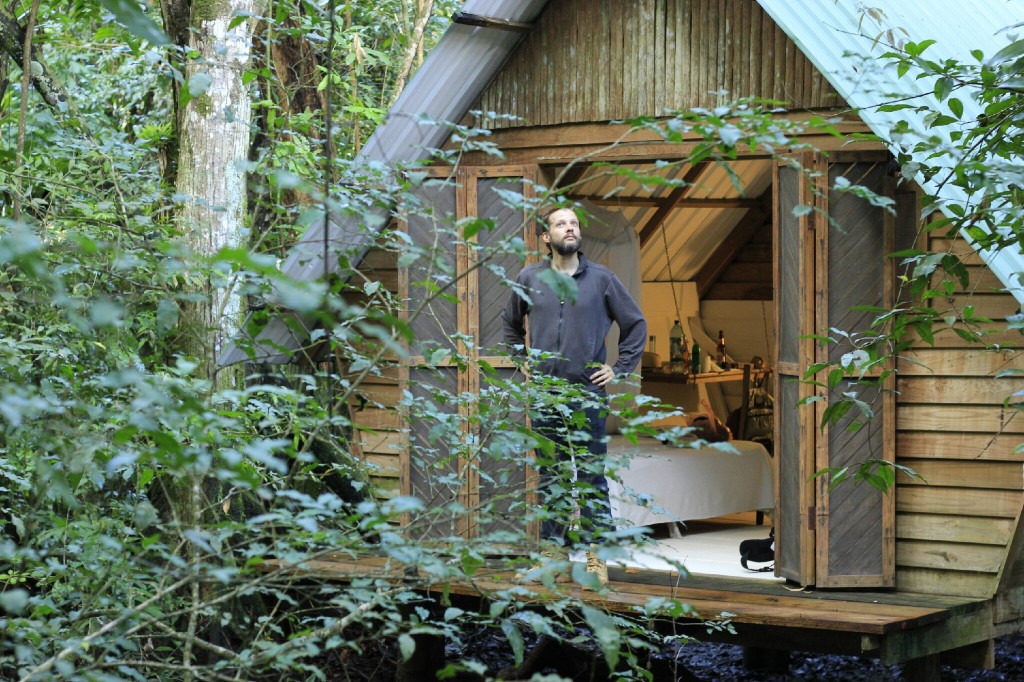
956 427
605 60
374 410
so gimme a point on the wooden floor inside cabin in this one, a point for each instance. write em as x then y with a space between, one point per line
705 547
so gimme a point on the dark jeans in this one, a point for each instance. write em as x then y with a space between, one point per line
580 438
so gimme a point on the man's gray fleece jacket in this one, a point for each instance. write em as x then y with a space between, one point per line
576 330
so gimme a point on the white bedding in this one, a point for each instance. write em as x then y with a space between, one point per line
679 484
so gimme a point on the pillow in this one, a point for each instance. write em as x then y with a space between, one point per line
711 430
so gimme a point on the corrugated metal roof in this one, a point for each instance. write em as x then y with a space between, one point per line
832 33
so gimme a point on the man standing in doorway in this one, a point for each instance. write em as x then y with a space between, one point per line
573 332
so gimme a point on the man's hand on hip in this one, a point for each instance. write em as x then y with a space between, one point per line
603 376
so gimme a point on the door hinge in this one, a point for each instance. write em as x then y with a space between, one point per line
812 515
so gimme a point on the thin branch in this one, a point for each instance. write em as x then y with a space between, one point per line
424 9
83 644
13 41
26 57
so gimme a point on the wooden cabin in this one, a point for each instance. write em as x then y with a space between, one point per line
736 256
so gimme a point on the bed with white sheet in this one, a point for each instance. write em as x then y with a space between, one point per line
662 483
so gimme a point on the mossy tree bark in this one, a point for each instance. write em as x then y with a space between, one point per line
214 124
215 128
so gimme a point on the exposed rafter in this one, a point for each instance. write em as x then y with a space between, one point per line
737 238
655 202
570 177
671 201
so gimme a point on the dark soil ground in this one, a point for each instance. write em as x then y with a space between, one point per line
691 662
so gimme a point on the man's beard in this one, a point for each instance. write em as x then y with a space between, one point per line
564 249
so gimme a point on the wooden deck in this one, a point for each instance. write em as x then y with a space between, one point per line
889 626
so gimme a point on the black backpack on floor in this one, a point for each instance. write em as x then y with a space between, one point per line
758 551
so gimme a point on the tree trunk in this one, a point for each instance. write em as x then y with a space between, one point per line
414 49
214 131
12 42
214 145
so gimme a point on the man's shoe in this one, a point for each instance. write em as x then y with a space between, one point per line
597 566
551 559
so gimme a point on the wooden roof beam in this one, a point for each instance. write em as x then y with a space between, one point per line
671 201
570 176
490 22
654 202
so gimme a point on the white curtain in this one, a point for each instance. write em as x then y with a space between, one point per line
608 239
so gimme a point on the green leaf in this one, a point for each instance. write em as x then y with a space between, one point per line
515 640
198 84
957 107
563 286
132 17
835 412
943 86
167 313
966 335
895 107
471 563
606 633
239 18
435 357
1008 53
14 601
802 210
916 49
123 435
407 646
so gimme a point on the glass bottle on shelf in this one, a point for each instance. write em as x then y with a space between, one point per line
651 346
720 354
695 359
675 347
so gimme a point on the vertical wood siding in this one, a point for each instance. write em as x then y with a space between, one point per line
855 521
958 428
795 543
375 417
606 60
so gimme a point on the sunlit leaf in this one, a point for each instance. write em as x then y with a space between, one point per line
132 17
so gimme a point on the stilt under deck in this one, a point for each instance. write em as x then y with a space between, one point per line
893 627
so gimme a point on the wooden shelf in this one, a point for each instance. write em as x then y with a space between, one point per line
705 378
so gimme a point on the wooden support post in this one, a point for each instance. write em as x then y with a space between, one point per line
768 660
924 669
978 656
425 661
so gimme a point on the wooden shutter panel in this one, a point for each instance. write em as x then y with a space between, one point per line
855 524
831 257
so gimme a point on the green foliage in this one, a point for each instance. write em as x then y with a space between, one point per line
107 433
879 474
106 430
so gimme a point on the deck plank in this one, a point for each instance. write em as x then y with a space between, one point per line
748 602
